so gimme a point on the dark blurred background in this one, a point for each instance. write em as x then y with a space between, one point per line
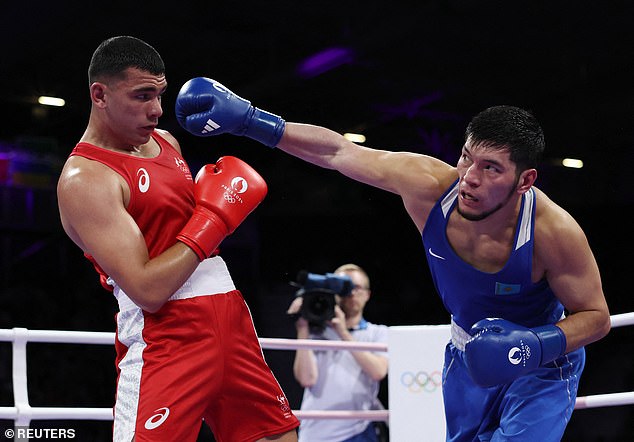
407 76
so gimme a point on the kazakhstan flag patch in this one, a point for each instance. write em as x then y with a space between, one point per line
507 289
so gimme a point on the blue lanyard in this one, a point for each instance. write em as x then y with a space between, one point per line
363 324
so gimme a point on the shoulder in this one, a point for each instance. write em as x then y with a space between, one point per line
558 236
420 180
551 219
79 170
169 138
83 177
88 192
420 173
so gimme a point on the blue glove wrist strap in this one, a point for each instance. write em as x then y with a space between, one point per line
266 128
553 342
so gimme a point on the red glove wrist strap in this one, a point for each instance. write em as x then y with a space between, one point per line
203 232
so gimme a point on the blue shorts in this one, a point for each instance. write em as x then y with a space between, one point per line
534 407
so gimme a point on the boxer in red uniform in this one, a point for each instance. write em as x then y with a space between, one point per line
186 346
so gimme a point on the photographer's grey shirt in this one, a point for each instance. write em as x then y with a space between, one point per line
341 385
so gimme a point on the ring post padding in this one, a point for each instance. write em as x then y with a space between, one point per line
20 387
415 381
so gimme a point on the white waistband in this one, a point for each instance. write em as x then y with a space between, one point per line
459 336
210 277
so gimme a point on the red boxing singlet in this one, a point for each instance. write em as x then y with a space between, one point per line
161 201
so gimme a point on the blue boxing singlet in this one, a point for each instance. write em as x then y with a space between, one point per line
469 294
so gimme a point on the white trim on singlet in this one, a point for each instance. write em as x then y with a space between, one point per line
447 201
526 224
459 337
210 277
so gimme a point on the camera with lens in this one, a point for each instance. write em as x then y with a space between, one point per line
318 293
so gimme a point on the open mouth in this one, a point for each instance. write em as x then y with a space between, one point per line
467 196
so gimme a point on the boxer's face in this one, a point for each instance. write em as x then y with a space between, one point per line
133 105
488 180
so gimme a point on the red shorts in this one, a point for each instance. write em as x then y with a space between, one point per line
196 358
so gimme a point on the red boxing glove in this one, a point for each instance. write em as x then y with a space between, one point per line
225 193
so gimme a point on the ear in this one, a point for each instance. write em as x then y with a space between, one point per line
98 94
526 180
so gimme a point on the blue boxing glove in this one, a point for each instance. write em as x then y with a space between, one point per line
501 351
205 107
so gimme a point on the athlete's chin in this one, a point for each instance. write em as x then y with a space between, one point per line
471 216
142 139
145 132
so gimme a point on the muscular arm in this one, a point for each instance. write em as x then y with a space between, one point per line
418 179
572 272
92 208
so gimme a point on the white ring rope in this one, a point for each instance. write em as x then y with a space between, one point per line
22 413
294 344
622 320
371 415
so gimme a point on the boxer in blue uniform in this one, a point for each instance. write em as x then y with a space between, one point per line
509 410
514 269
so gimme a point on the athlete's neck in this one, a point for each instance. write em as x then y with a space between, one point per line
149 149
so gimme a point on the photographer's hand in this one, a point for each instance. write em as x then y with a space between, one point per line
301 324
373 364
338 323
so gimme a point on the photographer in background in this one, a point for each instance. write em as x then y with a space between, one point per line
340 379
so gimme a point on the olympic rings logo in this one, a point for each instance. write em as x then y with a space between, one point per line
421 381
229 197
238 185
